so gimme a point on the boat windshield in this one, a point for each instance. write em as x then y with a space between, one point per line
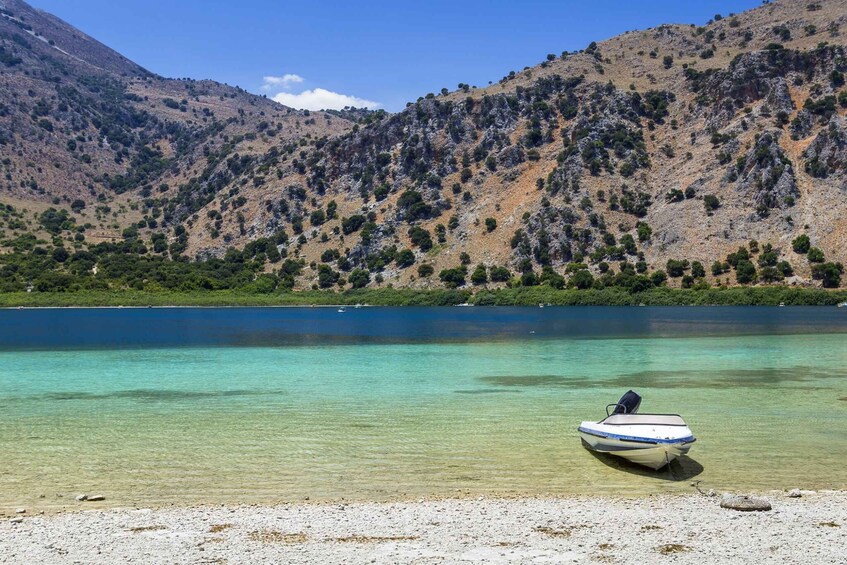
644 419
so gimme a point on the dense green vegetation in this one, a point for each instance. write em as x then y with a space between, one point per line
736 296
379 297
524 296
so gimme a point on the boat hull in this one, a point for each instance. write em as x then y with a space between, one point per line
651 454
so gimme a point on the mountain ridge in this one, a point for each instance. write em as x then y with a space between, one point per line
660 152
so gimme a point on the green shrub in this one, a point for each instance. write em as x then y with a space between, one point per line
405 258
317 217
327 277
801 244
359 278
785 268
828 273
770 275
54 221
676 268
644 231
815 255
479 275
352 224
500 274
582 279
60 254
453 278
420 238
711 203
745 272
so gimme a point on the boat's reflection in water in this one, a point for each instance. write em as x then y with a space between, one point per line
680 469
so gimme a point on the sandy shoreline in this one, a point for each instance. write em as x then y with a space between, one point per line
673 529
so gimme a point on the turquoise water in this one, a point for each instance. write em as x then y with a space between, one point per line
402 412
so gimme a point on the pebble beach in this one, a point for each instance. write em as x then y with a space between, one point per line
811 528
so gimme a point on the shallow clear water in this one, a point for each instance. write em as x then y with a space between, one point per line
261 405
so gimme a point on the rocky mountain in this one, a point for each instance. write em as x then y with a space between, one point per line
80 122
682 155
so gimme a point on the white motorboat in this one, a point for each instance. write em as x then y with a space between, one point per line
652 440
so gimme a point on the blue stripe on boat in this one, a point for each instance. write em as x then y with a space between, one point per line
635 438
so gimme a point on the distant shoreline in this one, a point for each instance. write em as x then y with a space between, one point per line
524 296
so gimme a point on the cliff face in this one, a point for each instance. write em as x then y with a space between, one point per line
676 143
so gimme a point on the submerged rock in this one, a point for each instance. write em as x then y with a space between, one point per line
745 503
96 498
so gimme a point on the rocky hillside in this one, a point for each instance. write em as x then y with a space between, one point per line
79 122
678 155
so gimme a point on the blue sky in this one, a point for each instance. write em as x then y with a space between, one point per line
387 53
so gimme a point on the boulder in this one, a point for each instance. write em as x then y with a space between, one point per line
794 493
779 97
745 503
96 498
827 154
510 156
767 176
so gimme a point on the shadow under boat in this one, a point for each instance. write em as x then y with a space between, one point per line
680 469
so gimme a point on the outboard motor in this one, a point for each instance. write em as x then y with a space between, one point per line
628 404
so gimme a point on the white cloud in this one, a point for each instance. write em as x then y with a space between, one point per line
322 99
285 81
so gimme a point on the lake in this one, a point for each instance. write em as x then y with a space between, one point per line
229 405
